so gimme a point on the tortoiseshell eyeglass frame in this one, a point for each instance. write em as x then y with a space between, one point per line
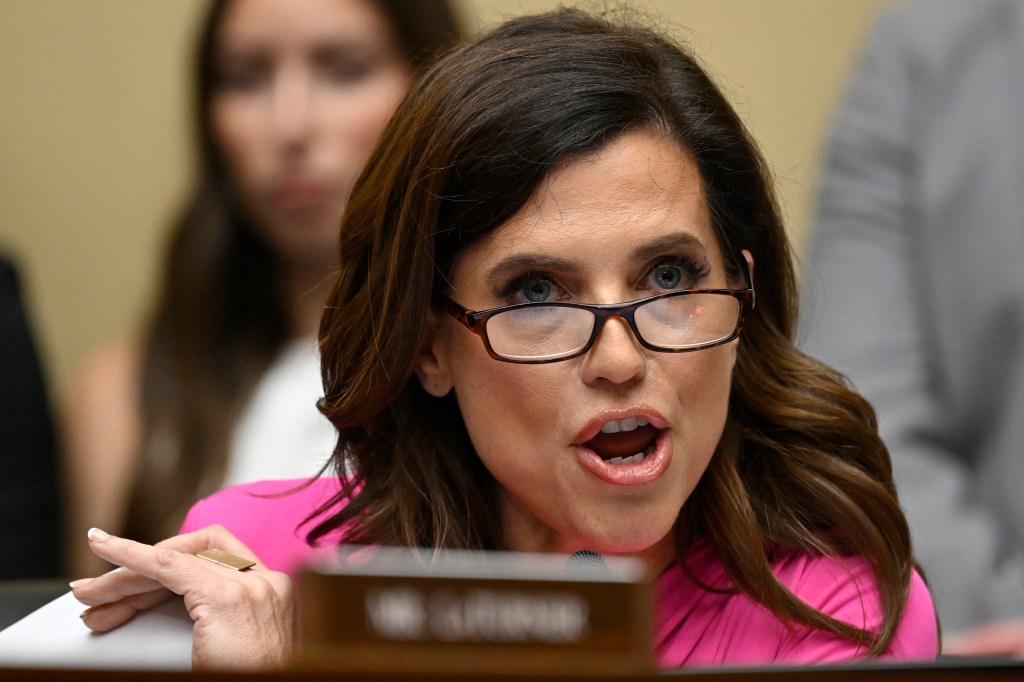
476 320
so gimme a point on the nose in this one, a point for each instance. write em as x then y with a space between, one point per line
291 107
616 356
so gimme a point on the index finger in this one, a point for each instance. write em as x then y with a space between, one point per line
211 537
169 563
121 583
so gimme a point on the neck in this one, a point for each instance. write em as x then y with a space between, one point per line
304 292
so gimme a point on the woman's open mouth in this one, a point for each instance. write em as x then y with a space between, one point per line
624 441
627 451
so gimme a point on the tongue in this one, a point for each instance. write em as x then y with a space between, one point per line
622 444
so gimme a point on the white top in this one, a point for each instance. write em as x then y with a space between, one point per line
280 433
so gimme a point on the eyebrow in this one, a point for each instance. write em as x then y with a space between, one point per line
669 242
527 262
521 262
244 46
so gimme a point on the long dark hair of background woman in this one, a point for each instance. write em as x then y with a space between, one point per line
219 320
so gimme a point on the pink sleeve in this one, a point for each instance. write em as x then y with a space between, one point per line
269 517
846 590
193 520
917 637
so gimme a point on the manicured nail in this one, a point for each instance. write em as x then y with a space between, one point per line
97 535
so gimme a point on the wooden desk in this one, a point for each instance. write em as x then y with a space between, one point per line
942 671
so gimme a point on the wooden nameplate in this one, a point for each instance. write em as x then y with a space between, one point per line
418 611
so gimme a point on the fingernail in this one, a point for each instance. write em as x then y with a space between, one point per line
97 535
78 582
85 613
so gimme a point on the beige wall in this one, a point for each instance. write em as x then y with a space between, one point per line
94 146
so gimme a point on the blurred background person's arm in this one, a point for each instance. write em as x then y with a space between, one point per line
914 287
29 490
101 442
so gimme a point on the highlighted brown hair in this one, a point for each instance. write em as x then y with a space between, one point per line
800 464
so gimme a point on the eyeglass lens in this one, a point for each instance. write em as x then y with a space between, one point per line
672 323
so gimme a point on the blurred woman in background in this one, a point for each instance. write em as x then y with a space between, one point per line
220 386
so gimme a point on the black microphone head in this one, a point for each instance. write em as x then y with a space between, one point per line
586 559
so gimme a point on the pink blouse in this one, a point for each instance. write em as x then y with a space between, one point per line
692 626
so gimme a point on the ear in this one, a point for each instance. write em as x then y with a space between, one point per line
431 364
750 264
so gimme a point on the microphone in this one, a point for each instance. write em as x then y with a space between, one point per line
586 560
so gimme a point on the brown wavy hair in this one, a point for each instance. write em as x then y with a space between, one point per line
219 319
800 464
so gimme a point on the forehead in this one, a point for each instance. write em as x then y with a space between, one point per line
273 22
640 187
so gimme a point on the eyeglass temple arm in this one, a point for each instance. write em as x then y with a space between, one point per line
749 278
460 314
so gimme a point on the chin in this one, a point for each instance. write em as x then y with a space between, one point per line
633 538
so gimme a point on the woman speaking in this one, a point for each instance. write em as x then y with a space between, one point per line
563 322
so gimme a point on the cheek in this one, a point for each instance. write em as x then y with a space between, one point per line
507 408
702 387
359 120
236 133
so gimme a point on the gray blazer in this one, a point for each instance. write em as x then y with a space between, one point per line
914 286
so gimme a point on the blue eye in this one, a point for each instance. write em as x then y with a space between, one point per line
667 276
530 287
676 273
536 291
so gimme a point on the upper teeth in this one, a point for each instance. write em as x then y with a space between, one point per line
629 424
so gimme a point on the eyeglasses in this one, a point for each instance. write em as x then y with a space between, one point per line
675 322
